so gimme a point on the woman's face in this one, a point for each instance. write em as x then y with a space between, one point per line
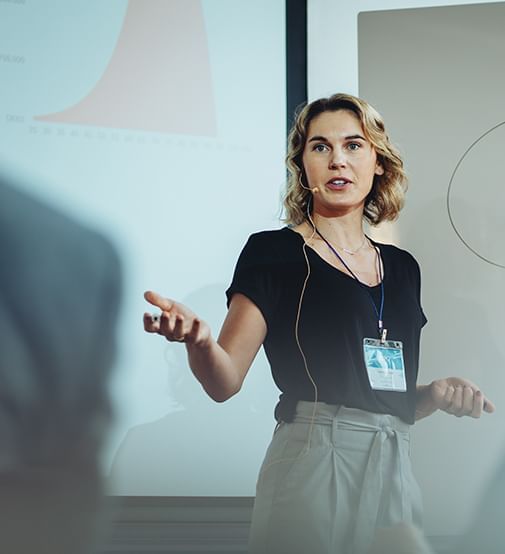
340 162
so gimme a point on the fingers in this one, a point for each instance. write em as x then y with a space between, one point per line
159 301
478 405
448 396
489 407
177 328
199 334
464 401
149 325
172 327
168 324
174 322
458 401
193 334
178 332
460 397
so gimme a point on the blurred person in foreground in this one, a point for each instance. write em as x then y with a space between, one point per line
59 297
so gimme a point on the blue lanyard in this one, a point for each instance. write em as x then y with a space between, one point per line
378 311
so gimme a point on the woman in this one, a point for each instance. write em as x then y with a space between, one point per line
340 317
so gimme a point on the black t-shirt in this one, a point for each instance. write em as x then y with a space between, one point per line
336 315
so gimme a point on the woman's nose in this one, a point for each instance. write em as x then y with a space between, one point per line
337 159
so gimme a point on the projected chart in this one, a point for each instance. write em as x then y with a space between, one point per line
158 72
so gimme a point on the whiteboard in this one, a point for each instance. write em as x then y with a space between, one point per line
436 76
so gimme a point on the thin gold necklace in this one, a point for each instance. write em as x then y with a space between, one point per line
348 250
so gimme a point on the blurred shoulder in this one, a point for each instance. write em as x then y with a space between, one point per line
37 235
51 264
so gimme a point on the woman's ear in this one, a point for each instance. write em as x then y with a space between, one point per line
379 170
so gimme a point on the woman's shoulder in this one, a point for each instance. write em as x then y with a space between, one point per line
393 249
273 244
274 237
282 234
398 256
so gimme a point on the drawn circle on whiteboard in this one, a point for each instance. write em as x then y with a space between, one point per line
476 197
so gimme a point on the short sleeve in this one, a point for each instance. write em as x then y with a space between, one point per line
417 273
255 276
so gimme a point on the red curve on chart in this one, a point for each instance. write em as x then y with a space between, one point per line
158 78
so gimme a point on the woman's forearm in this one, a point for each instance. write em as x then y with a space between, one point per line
215 370
220 366
424 405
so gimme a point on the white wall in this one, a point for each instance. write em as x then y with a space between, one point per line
333 40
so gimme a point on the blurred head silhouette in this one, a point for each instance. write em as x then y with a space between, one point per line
59 296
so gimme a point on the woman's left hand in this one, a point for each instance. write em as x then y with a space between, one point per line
454 395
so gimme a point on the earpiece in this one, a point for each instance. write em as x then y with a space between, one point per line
315 190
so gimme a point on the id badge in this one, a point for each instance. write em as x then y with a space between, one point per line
384 364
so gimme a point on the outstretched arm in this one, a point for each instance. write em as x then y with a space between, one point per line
453 395
220 366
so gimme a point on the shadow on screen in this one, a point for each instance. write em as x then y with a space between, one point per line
200 447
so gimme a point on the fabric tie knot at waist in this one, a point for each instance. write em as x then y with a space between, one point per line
372 487
389 431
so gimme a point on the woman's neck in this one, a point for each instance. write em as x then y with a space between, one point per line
345 231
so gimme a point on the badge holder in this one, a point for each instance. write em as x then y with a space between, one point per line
384 363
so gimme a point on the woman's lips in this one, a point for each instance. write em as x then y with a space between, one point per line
338 184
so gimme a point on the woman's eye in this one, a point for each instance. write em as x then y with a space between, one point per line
320 148
354 146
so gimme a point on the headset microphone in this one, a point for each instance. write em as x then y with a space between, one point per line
314 190
305 245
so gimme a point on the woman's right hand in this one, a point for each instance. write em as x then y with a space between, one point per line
220 366
177 323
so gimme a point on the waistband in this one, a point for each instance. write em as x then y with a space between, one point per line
326 414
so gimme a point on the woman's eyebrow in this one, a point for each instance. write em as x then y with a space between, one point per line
320 138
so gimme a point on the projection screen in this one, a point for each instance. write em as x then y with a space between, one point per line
161 123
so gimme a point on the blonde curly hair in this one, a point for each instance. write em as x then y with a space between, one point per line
387 195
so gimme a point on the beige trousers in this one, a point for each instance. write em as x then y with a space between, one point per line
330 479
